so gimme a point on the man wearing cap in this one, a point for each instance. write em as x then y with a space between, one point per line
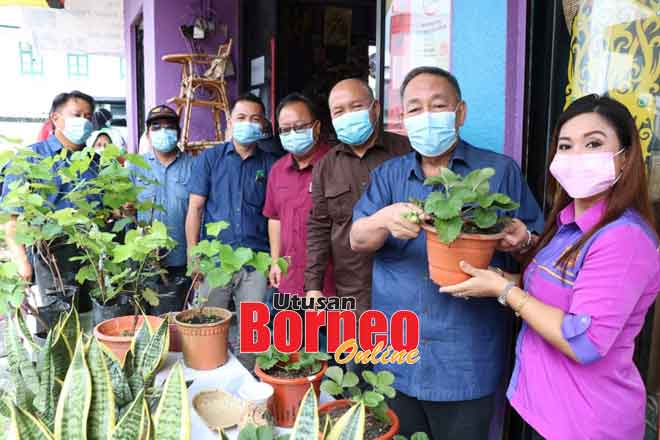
165 183
229 184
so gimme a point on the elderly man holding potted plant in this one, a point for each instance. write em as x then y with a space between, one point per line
450 392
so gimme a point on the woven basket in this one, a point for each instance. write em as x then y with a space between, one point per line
219 409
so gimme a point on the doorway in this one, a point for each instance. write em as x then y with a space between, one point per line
308 46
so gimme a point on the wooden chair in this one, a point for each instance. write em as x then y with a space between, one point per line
212 82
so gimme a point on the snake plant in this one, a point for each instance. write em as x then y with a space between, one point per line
79 390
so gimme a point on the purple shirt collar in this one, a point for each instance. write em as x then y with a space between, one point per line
588 219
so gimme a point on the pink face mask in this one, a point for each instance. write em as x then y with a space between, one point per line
585 175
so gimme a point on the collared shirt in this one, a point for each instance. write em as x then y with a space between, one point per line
171 193
49 148
462 343
338 181
605 294
235 191
289 200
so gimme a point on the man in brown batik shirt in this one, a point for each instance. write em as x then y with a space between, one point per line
337 184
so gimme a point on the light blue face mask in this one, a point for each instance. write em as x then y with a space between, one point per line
164 140
77 129
354 128
298 143
246 133
432 133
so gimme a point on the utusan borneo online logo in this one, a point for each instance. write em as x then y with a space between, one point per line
367 338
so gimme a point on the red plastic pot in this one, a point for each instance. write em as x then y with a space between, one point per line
288 393
109 332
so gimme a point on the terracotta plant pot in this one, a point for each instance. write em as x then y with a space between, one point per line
288 393
175 336
109 332
476 249
204 346
394 429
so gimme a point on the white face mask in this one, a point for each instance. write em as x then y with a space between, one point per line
586 174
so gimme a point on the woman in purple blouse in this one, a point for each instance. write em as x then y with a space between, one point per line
587 283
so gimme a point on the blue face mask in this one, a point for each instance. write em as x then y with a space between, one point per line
164 140
246 133
77 129
432 134
298 143
354 128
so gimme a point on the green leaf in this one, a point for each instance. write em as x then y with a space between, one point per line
119 225
385 378
446 177
49 390
477 177
122 252
350 380
137 160
151 296
261 262
131 424
485 218
370 377
350 426
419 436
172 419
372 399
448 230
335 373
75 399
218 277
27 426
307 420
214 229
331 388
101 419
155 352
445 209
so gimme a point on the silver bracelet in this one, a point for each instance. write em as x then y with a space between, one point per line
505 292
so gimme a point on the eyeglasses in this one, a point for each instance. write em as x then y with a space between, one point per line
298 128
158 125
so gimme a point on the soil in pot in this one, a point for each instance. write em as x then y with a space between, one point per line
444 259
374 429
204 337
289 388
117 333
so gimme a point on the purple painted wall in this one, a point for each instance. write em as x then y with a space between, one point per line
162 19
515 78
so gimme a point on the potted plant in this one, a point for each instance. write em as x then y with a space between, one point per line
380 421
290 376
465 223
208 327
76 376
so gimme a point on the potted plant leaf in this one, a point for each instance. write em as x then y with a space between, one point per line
466 223
380 421
290 376
75 375
208 327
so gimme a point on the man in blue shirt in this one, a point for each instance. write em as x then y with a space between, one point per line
70 116
449 392
229 184
165 183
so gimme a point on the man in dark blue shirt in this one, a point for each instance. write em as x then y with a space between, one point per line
449 392
229 184
70 116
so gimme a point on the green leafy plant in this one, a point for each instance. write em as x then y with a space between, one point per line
346 386
464 205
12 288
78 389
218 262
415 436
302 361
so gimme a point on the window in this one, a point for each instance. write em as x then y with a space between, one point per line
78 66
30 63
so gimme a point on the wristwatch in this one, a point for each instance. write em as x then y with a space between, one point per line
505 292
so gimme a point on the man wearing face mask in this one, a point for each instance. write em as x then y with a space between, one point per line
70 117
165 183
229 184
338 182
449 392
288 196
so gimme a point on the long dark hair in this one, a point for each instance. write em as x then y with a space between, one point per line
630 191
